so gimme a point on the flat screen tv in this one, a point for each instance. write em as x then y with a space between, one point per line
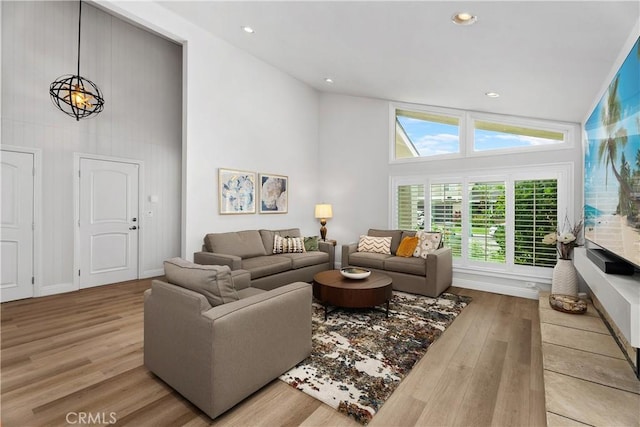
612 165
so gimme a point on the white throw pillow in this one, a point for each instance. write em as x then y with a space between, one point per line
376 245
288 245
428 242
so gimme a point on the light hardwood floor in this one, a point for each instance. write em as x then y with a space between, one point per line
81 352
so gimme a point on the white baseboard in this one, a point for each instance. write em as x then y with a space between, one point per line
516 291
152 273
58 288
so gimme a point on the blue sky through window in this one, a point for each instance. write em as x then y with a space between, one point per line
432 138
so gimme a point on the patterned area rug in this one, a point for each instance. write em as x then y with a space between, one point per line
359 357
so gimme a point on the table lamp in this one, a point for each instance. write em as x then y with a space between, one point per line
323 211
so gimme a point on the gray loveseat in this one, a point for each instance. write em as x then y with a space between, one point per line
215 339
252 250
430 276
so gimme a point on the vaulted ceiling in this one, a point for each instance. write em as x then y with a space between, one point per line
546 59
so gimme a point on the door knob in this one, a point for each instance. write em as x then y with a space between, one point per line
133 228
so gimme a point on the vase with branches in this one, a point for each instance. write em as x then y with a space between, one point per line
565 238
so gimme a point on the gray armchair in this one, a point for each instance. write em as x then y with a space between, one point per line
217 356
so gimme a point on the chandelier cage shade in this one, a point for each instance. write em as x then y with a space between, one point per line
75 95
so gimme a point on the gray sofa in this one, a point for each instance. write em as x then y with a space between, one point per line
252 250
430 276
217 355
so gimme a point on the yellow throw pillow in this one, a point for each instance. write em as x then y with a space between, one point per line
407 246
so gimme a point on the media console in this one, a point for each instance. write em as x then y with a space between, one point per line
619 296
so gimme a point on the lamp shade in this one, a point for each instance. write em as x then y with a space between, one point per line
324 211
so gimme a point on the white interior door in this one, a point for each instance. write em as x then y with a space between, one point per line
17 226
108 222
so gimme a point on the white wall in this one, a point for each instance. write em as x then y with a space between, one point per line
240 113
139 74
355 164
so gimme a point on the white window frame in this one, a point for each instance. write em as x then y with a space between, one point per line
568 130
562 172
466 132
458 114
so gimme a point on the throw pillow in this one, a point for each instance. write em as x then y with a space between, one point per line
311 243
376 245
287 245
407 247
428 242
212 281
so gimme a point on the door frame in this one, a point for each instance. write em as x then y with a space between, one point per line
37 213
76 209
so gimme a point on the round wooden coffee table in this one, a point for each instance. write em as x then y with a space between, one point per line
333 289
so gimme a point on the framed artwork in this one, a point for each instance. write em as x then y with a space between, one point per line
274 194
237 191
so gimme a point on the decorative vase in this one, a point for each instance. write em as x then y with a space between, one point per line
565 278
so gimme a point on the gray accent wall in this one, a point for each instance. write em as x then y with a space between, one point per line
140 75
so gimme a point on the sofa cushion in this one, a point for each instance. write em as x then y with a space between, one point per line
266 265
408 233
394 234
306 259
428 242
407 246
368 259
285 245
411 265
212 281
245 244
267 236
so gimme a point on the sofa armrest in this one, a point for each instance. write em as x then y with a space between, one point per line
241 279
440 269
177 340
347 250
257 339
210 258
330 248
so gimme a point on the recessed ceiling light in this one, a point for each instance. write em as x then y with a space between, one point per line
464 18
492 94
248 29
328 80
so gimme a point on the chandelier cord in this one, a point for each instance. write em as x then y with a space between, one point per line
79 26
75 95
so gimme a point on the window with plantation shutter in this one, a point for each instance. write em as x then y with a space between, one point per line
410 207
486 216
491 222
536 207
446 214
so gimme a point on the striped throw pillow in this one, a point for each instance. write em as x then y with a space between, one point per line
376 245
287 245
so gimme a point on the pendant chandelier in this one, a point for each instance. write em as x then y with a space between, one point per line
73 94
